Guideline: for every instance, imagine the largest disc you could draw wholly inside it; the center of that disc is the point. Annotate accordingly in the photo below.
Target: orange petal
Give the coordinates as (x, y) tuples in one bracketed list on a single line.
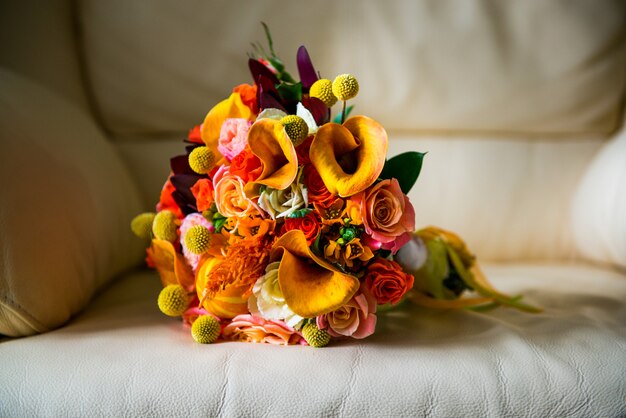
[(232, 107), (349, 157), (170, 265), (269, 141), (311, 286), (227, 303)]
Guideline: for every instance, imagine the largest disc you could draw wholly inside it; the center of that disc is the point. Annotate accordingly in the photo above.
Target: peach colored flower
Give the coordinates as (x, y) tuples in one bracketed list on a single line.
[(233, 137), (250, 328), (387, 282), (356, 319), (387, 213), (230, 198)]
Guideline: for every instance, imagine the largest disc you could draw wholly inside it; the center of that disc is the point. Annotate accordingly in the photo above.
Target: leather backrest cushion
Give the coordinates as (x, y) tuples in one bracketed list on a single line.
[(535, 67), (66, 201)]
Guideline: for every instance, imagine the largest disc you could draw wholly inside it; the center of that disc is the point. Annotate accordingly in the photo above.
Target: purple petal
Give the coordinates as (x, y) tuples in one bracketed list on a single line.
[(308, 76), (258, 69), (180, 164), (317, 108)]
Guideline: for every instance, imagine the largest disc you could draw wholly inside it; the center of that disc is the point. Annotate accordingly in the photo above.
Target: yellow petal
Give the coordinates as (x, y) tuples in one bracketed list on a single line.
[(228, 302), (269, 141), (232, 107), (349, 157), (311, 286), (170, 265)]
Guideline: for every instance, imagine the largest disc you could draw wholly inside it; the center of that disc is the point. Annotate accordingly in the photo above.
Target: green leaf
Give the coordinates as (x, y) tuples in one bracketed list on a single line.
[(290, 92), (436, 267), (405, 168), (337, 118)]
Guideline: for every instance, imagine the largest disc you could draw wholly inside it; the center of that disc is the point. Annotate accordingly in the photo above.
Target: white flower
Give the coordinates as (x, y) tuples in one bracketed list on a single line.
[(267, 298), (304, 113), (271, 113), (282, 203)]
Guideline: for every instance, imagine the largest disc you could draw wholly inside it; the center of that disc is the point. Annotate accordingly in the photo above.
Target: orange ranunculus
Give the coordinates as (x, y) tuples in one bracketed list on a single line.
[(202, 190), (269, 141), (387, 282), (311, 286), (233, 107), (170, 265), (246, 165), (349, 157), (248, 96)]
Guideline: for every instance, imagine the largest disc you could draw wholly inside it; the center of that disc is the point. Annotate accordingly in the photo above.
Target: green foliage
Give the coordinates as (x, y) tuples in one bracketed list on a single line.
[(405, 168)]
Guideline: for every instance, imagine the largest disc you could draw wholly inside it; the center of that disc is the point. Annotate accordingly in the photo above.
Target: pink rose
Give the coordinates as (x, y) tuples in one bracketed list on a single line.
[(258, 330), (356, 319), (387, 214), (233, 137)]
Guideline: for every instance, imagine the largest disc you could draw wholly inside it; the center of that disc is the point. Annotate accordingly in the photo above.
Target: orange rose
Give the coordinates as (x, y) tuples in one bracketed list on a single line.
[(308, 224), (387, 282), (387, 212), (230, 198)]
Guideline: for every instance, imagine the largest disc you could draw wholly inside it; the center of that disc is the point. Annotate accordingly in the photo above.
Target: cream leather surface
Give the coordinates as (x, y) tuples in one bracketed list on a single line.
[(122, 357), (541, 67), (66, 201)]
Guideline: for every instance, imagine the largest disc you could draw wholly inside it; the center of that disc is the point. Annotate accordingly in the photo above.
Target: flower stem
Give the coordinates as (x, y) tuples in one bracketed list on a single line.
[(343, 112)]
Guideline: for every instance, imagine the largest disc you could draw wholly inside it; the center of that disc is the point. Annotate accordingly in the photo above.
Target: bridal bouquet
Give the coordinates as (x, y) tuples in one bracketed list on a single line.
[(286, 225)]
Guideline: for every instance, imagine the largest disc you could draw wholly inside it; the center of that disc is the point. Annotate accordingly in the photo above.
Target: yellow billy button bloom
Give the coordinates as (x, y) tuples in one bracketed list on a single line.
[(198, 239), (164, 226), (349, 157), (173, 300), (296, 128), (345, 87), (314, 336), (323, 90), (141, 225), (205, 329), (201, 160)]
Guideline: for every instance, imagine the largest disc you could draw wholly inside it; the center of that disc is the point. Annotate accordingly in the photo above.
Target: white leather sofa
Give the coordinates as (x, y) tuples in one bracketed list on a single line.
[(519, 105)]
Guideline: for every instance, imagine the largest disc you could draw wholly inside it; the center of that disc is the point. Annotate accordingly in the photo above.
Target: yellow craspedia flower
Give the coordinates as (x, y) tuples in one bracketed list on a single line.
[(141, 225), (323, 90), (164, 226), (345, 87), (205, 329), (173, 300), (296, 128), (314, 336), (201, 160), (198, 239)]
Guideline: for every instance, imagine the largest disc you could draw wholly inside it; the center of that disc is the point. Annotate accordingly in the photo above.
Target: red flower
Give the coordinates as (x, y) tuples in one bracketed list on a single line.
[(203, 192), (302, 151), (318, 193), (309, 224), (387, 282), (248, 96), (195, 135), (167, 202), (246, 165)]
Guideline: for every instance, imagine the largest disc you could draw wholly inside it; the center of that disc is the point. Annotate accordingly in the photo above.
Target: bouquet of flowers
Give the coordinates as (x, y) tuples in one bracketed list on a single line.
[(279, 225)]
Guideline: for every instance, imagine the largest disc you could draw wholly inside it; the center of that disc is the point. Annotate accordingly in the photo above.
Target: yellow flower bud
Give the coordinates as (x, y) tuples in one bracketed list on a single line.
[(205, 329), (164, 226), (296, 128), (314, 336), (173, 300), (141, 225), (201, 160), (345, 87), (198, 239), (323, 90)]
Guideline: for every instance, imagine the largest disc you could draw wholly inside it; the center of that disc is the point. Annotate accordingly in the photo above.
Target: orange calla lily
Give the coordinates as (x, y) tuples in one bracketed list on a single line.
[(269, 141), (349, 157), (311, 286), (170, 265), (232, 107)]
